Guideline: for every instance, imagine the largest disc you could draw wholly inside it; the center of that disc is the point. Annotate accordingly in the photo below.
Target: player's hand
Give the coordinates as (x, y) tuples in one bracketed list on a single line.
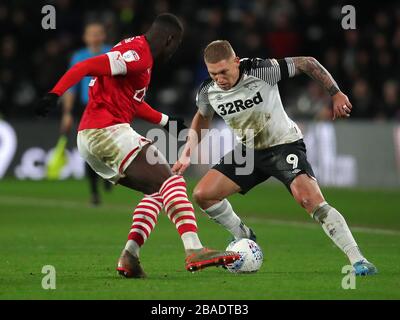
[(178, 123), (67, 121), (181, 165), (47, 102), (341, 106)]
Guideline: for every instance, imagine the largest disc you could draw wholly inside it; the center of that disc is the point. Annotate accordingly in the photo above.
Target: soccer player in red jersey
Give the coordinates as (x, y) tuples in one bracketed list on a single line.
[(117, 153)]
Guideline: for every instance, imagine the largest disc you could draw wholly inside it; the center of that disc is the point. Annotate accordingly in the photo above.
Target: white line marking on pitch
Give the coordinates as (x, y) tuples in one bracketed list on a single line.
[(45, 202), (310, 225)]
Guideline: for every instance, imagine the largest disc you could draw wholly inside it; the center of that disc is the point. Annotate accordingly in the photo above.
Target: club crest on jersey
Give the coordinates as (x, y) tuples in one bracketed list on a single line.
[(239, 105), (130, 56), (251, 86)]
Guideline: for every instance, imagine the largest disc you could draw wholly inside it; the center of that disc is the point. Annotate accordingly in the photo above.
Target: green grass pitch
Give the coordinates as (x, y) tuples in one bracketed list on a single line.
[(51, 223)]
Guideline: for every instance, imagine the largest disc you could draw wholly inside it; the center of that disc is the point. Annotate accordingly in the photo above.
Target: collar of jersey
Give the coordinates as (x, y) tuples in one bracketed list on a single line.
[(241, 75)]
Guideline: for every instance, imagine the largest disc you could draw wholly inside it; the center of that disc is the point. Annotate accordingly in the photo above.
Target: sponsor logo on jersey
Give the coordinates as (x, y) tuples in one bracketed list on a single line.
[(239, 105), (130, 56)]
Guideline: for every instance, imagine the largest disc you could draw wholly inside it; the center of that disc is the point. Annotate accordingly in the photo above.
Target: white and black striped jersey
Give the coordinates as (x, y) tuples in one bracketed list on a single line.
[(253, 107)]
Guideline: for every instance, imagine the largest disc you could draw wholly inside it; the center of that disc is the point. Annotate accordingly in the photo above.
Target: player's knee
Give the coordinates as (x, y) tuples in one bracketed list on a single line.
[(200, 195), (150, 188), (159, 181), (309, 202), (303, 200)]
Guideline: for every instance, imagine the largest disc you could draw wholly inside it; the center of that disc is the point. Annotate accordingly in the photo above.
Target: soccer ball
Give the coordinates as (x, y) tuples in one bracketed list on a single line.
[(251, 256)]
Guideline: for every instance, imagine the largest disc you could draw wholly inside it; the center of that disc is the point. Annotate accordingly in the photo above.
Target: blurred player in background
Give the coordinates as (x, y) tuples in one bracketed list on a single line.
[(245, 94), (94, 37), (117, 153)]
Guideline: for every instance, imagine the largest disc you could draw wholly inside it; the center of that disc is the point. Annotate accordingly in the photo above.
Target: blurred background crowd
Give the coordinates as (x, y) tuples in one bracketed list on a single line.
[(365, 61)]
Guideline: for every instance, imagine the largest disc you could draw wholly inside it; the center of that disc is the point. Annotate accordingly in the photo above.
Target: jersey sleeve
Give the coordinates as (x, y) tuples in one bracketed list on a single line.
[(126, 62), (96, 66), (202, 101), (117, 63), (147, 113), (271, 70)]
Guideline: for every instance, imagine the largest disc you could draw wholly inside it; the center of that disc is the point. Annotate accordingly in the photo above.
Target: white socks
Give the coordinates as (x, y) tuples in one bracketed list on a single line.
[(336, 228), (191, 241), (133, 248), (223, 214)]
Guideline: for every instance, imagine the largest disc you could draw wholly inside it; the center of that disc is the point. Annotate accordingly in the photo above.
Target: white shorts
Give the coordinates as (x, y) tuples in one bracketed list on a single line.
[(109, 151)]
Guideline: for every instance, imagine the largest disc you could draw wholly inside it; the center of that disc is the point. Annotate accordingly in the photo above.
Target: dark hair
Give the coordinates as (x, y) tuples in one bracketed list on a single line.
[(169, 23)]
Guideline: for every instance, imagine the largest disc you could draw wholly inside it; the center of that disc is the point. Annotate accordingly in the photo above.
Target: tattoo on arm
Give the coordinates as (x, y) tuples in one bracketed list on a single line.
[(315, 70)]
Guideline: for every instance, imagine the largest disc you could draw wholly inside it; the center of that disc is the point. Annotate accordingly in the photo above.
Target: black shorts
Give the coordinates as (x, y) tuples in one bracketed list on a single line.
[(284, 162)]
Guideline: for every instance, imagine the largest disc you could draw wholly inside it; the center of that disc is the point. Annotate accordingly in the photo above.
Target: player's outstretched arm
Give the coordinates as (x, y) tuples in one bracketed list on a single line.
[(96, 66), (310, 66), (194, 137)]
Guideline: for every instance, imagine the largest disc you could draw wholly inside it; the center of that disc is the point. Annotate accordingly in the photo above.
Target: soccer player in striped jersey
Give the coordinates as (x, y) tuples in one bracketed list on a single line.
[(245, 94), (119, 154)]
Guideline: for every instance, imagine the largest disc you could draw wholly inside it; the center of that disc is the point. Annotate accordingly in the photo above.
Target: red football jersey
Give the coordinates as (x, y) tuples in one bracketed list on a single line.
[(115, 99)]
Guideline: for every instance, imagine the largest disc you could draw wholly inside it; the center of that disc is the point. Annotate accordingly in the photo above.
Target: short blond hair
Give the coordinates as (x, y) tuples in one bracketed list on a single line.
[(218, 50)]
